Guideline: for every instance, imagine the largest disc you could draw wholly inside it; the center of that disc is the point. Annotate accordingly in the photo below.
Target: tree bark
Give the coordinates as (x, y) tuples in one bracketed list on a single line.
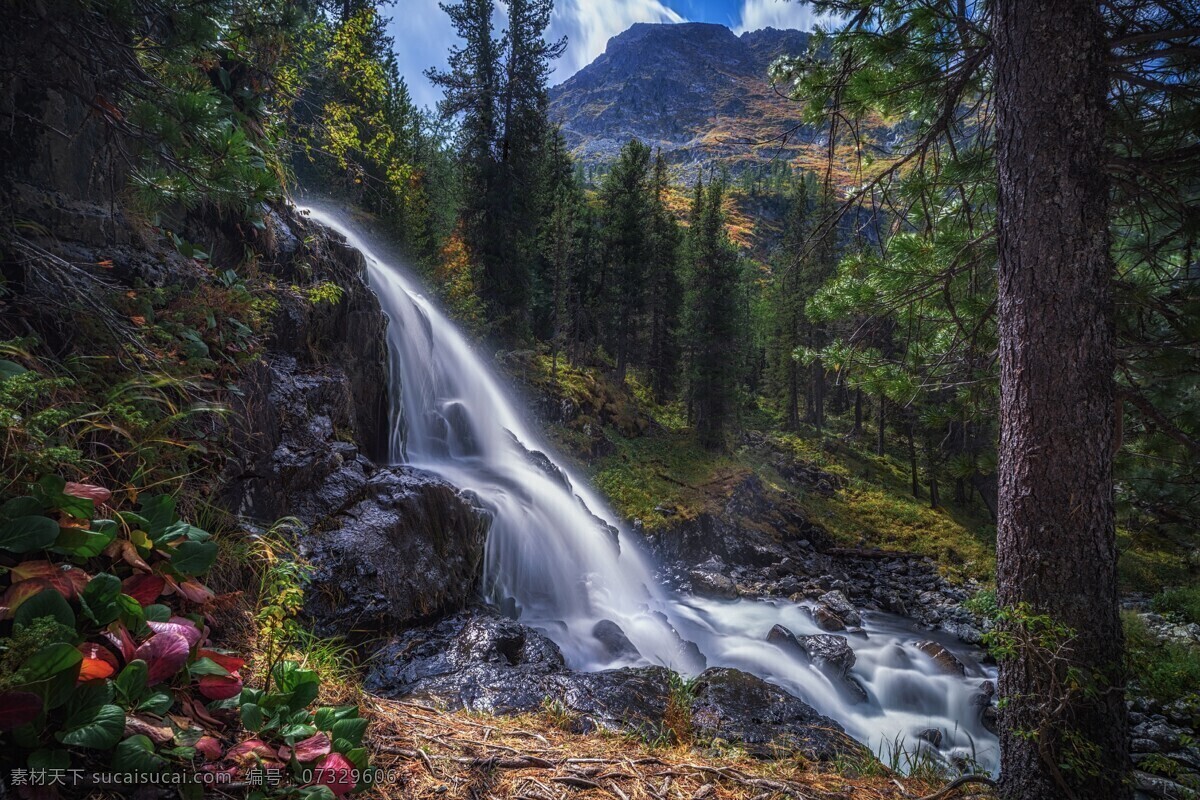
[(912, 462), (1056, 544), (880, 448), (858, 412)]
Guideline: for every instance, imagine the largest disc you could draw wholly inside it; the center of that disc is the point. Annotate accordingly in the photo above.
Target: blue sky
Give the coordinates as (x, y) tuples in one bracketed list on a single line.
[(423, 33)]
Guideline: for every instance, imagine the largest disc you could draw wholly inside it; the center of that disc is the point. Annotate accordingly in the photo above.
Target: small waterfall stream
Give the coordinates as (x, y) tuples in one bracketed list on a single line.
[(552, 560)]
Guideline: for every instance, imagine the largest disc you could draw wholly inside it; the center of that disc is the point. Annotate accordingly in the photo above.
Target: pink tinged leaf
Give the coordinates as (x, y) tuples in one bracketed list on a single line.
[(64, 578), (88, 491), (118, 634), (209, 747), (230, 663), (98, 662), (195, 591), (18, 708), (165, 654), (250, 751), (220, 687), (20, 592), (185, 628), (143, 588), (336, 772), (313, 747)]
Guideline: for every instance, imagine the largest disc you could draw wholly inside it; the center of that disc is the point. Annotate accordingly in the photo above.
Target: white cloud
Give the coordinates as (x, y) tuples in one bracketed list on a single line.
[(783, 14), (589, 24)]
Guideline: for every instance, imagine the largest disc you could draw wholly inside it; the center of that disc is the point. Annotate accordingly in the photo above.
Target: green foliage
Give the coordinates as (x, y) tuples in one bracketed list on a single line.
[(60, 681), (1182, 603), (201, 102), (713, 321), (1164, 671)]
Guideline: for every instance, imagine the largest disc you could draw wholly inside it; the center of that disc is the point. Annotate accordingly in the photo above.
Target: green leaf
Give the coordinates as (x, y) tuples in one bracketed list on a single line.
[(316, 793), (131, 682), (99, 728), (136, 754), (157, 612), (133, 616), (46, 603), (358, 757), (23, 534), (252, 717), (50, 490), (294, 733), (89, 696), (99, 598), (47, 759), (83, 543), (159, 513), (326, 716), (158, 703), (351, 730), (194, 558), (51, 672), (21, 507), (10, 369), (206, 666)]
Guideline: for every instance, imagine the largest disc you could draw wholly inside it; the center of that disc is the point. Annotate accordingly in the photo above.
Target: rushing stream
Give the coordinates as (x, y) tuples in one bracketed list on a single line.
[(552, 560)]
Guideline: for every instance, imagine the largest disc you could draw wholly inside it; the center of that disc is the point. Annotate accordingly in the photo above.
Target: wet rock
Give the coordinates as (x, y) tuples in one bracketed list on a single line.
[(477, 660), (836, 602), (400, 512), (1155, 786), (713, 584), (831, 654), (826, 619), (931, 735), (735, 706), (945, 661), (630, 698), (472, 660), (615, 642)]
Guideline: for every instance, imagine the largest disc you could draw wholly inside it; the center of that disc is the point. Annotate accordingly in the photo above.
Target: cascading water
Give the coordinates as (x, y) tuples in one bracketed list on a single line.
[(553, 560)]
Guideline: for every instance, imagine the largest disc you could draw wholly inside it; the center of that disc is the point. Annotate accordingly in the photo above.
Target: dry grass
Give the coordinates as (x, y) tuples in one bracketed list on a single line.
[(428, 753)]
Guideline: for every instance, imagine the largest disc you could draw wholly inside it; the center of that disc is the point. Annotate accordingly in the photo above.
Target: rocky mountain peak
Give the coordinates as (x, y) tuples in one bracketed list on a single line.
[(696, 90)]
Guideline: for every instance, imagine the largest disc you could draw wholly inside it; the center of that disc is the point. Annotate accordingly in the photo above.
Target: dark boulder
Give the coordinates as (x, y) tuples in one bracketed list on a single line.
[(609, 634), (736, 706), (409, 546), (480, 661), (472, 660)]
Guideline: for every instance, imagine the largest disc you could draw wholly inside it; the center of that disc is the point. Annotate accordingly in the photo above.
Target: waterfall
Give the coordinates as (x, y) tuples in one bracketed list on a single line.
[(558, 559)]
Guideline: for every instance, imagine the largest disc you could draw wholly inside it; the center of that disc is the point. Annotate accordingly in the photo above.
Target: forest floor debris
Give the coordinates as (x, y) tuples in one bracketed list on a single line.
[(430, 753)]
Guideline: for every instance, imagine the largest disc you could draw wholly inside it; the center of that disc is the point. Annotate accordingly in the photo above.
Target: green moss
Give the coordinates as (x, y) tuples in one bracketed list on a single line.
[(670, 470)]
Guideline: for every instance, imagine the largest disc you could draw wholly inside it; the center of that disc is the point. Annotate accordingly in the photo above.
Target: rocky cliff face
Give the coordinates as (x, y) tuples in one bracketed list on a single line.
[(309, 413), (697, 91)]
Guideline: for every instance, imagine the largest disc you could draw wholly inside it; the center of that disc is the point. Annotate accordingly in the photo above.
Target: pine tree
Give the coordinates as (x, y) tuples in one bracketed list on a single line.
[(663, 286), (626, 208), (713, 319)]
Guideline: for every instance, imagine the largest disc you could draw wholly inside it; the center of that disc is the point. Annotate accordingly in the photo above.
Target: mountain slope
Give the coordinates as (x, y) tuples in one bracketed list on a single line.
[(697, 91)]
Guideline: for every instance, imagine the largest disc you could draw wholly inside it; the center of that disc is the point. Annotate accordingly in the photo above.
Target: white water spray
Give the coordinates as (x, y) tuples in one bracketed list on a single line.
[(552, 560)]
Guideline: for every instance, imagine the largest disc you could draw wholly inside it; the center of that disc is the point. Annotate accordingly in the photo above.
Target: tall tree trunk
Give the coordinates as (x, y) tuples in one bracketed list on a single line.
[(858, 412), (912, 462), (818, 394), (793, 395), (1056, 545), (879, 442)]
